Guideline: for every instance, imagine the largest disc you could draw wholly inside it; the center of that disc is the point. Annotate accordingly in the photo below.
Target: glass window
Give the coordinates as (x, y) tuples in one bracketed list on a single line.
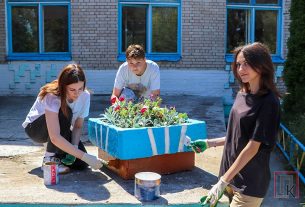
[(133, 26), (25, 29), (237, 30), (154, 24), (253, 22), (164, 29), (265, 28), (267, 1), (55, 28), (38, 30)]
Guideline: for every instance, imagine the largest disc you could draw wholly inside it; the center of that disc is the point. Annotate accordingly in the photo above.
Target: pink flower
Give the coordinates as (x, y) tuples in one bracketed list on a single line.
[(143, 109), (121, 99), (117, 108)]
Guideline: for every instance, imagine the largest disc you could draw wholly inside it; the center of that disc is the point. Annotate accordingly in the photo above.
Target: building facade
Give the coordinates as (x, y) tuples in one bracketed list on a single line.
[(192, 41)]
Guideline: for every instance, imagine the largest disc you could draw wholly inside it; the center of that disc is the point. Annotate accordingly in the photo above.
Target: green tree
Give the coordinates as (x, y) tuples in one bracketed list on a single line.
[(294, 72), (294, 76)]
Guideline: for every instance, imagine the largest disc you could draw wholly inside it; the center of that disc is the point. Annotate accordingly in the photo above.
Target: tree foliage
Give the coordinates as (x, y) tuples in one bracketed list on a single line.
[(294, 72)]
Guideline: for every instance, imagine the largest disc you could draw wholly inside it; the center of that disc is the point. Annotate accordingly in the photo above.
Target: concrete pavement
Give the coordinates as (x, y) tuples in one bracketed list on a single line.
[(21, 180)]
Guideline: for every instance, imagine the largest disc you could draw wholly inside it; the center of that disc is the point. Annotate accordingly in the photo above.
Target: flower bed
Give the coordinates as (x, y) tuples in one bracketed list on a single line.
[(152, 132), (143, 114)]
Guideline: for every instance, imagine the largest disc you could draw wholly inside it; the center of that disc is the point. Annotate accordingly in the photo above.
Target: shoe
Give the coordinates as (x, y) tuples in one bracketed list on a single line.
[(62, 169)]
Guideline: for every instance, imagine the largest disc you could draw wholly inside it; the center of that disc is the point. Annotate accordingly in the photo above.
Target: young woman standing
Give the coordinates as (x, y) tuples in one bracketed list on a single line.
[(251, 133)]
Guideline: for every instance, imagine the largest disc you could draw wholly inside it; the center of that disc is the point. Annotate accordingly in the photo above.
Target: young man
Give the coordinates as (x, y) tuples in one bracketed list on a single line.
[(137, 74)]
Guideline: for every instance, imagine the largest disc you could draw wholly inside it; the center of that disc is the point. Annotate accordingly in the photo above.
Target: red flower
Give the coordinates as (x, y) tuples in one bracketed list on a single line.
[(143, 109), (113, 100), (117, 108), (121, 99)]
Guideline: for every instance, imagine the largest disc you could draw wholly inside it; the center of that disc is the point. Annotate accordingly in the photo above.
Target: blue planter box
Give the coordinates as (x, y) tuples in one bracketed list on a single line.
[(133, 143)]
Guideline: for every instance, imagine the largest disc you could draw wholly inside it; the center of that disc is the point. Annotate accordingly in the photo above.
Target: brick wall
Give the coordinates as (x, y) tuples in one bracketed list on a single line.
[(203, 35), (94, 33), (2, 31), (95, 43)]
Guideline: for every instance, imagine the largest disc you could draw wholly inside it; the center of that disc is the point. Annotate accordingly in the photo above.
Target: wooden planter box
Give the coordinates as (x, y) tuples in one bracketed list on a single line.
[(157, 149), (162, 164)]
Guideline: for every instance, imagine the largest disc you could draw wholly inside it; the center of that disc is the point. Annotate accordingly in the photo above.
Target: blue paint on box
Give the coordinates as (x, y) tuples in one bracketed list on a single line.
[(133, 143)]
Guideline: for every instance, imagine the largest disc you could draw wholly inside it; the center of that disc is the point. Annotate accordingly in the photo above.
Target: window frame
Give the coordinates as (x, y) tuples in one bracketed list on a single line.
[(253, 7), (41, 54), (149, 4)]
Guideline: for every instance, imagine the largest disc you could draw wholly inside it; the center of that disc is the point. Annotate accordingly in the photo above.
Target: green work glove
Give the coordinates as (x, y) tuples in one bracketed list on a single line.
[(214, 194), (68, 160), (205, 203), (199, 145)]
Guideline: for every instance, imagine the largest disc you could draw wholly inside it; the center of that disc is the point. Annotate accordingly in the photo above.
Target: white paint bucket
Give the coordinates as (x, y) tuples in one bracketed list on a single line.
[(147, 186), (50, 173)]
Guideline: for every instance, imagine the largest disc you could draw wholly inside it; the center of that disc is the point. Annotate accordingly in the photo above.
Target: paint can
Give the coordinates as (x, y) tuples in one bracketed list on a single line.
[(147, 186), (50, 173)]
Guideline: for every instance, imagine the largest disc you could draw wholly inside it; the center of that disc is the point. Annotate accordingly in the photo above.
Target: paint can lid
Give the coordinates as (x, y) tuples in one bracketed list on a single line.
[(148, 176)]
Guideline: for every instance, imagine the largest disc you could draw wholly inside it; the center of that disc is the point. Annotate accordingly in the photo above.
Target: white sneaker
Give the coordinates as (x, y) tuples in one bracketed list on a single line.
[(62, 169)]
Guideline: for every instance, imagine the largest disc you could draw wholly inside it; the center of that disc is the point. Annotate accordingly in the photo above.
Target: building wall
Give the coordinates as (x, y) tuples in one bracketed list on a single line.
[(94, 45), (2, 31), (203, 35), (94, 33), (95, 28), (26, 78)]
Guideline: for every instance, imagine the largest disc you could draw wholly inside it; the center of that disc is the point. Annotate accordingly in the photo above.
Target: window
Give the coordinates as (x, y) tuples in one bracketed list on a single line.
[(154, 24), (254, 21), (38, 30)]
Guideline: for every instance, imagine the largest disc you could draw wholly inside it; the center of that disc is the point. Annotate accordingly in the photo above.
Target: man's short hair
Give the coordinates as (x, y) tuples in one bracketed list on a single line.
[(135, 51)]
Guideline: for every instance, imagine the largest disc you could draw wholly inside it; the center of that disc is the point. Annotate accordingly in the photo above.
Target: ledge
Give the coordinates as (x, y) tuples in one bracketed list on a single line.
[(155, 57), (39, 57)]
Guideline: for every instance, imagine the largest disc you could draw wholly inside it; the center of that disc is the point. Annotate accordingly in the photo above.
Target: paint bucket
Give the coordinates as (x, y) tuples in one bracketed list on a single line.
[(147, 186), (50, 173)]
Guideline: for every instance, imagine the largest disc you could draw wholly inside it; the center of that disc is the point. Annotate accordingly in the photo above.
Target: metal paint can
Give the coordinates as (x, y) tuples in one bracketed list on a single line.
[(147, 186), (50, 173)]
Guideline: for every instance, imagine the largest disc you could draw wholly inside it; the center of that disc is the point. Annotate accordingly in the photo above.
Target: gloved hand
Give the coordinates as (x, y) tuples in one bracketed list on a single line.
[(216, 192), (68, 160), (199, 145), (93, 161)]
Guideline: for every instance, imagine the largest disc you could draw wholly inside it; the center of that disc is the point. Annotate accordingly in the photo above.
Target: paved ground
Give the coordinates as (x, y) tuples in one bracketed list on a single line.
[(21, 179)]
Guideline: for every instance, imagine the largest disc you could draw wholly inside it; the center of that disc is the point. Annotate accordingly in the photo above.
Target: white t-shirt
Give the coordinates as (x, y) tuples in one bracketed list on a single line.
[(80, 107), (150, 78)]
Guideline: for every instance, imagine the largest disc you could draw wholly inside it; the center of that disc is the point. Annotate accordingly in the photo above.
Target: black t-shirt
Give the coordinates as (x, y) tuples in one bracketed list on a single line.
[(255, 118)]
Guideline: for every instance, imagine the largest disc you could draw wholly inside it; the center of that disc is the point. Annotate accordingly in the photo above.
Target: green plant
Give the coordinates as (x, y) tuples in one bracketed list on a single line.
[(143, 114), (294, 72)]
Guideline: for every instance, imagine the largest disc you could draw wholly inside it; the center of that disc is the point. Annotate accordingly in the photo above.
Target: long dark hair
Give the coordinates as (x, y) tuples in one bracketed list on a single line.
[(70, 74), (257, 55)]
